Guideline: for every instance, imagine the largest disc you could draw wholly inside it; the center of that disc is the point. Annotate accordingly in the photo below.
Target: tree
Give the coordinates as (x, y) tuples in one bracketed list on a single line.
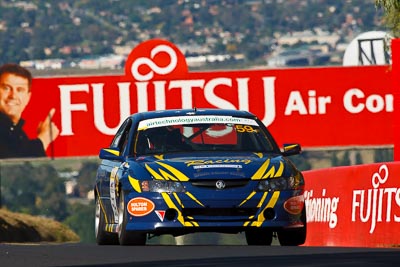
[(334, 159), (345, 161), (87, 176), (301, 161), (81, 221), (358, 159), (383, 155), (36, 190), (391, 10)]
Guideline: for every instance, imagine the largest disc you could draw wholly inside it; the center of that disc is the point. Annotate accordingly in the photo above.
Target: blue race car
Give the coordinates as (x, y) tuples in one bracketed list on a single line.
[(198, 170)]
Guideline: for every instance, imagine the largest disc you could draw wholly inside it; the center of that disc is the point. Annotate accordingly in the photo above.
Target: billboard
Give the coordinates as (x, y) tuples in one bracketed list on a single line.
[(316, 107)]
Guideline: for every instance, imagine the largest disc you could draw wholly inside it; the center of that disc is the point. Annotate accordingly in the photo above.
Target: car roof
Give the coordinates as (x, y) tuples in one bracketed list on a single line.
[(188, 112)]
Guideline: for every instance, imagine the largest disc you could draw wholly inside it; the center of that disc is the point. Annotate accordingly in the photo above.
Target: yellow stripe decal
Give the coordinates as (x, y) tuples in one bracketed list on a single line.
[(178, 199), (194, 199), (280, 170), (173, 174), (247, 198), (178, 174), (259, 173), (196, 224), (263, 172), (135, 184), (248, 222), (171, 205), (270, 172), (167, 176), (155, 174), (112, 151), (290, 147), (159, 157), (181, 204), (102, 207), (262, 200), (271, 204)]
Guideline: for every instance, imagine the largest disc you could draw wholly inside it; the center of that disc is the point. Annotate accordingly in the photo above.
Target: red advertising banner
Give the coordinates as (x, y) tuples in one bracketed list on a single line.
[(396, 93), (316, 107), (356, 206)]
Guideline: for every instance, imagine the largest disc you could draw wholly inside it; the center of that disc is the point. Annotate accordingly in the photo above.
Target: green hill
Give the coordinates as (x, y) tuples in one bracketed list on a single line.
[(24, 228)]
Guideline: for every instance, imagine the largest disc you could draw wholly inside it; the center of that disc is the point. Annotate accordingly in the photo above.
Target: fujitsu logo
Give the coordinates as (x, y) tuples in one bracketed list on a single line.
[(378, 204), (153, 65)]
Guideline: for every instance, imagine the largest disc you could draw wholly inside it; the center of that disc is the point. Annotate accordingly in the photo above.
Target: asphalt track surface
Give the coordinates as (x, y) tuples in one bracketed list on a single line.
[(160, 255)]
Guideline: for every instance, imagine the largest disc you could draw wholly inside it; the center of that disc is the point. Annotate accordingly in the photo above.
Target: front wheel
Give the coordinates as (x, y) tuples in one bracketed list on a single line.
[(102, 237), (127, 238), (295, 236), (258, 237)]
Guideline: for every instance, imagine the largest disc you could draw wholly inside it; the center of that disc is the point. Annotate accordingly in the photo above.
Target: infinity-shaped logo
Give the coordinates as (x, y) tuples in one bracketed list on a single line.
[(154, 68), (381, 176)]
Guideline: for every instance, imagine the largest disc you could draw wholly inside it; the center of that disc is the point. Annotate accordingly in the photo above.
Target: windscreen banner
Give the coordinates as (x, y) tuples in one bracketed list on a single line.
[(356, 206), (316, 107)]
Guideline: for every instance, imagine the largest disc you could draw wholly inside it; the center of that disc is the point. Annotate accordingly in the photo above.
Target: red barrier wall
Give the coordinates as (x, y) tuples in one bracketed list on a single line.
[(354, 206)]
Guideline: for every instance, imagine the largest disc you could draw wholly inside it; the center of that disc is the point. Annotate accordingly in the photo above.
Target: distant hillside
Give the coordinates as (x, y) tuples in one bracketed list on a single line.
[(24, 228), (41, 29)]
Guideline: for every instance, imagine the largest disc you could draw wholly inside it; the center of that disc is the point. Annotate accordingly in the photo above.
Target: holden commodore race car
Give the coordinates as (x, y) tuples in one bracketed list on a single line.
[(198, 170)]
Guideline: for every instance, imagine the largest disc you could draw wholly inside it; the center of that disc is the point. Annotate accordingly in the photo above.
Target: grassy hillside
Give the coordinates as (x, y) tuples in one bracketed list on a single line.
[(22, 228)]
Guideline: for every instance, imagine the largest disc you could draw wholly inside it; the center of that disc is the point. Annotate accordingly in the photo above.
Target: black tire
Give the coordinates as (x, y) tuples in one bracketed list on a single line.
[(258, 237), (295, 236), (127, 238), (102, 236)]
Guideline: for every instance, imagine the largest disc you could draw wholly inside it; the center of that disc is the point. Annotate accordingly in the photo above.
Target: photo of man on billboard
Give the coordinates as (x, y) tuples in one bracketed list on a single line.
[(15, 94)]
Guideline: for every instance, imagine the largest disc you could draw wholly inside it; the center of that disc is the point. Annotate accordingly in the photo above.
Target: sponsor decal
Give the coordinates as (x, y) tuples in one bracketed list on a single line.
[(222, 162), (374, 205), (152, 67), (294, 205), (140, 206), (160, 214), (218, 166), (158, 122), (321, 209)]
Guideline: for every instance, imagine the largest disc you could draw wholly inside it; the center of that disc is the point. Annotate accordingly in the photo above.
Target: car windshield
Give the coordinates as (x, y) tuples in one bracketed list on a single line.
[(223, 135)]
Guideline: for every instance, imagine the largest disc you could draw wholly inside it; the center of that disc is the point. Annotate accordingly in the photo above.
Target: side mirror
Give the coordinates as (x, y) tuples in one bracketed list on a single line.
[(291, 149), (110, 154)]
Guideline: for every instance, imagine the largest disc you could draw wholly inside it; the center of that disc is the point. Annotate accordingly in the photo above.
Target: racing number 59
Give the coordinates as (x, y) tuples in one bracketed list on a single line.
[(244, 128)]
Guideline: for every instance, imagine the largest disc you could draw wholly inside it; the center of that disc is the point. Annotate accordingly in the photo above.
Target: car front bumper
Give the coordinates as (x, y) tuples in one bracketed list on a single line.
[(185, 213)]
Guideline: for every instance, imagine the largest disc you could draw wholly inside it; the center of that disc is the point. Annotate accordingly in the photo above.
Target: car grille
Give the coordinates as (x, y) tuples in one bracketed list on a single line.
[(217, 213), (228, 183)]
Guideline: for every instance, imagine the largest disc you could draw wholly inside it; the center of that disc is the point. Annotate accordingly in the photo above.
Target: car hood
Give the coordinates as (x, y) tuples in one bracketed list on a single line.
[(214, 165)]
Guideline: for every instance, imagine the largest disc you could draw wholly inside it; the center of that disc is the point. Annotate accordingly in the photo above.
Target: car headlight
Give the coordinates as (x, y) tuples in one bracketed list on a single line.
[(162, 186), (282, 183)]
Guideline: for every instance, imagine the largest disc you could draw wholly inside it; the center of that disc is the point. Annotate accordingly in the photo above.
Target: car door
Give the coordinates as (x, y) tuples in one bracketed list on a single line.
[(110, 169)]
